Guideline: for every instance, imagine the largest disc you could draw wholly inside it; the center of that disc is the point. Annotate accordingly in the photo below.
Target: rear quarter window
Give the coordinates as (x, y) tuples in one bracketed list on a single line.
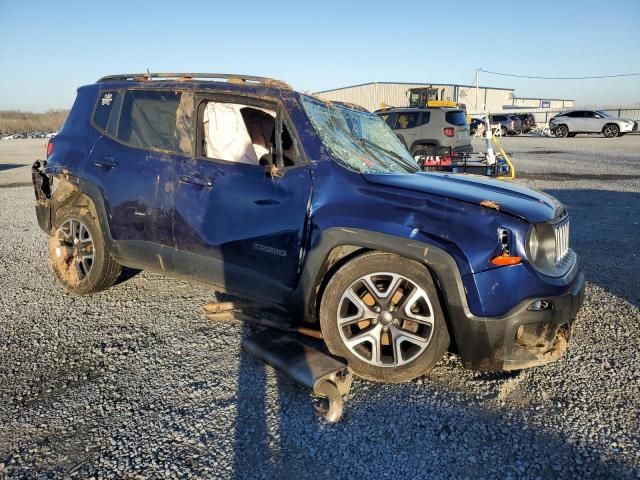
[(108, 102), (425, 117), (456, 118)]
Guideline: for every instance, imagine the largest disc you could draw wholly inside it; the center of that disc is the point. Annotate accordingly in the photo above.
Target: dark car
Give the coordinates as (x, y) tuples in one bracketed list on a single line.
[(506, 124), (250, 187)]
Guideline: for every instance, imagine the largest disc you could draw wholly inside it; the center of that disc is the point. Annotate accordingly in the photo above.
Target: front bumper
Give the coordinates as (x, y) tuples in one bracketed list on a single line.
[(521, 338)]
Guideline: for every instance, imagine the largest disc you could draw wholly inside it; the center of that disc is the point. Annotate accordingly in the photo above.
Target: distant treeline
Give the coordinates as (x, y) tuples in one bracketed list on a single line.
[(15, 121)]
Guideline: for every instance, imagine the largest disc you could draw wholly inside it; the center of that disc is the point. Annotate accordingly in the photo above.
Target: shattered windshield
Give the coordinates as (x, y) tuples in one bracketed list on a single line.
[(358, 140)]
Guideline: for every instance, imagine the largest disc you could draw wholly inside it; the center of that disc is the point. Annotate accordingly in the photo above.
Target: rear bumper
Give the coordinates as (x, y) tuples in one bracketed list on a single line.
[(521, 338), (626, 128), (463, 149), (42, 190)]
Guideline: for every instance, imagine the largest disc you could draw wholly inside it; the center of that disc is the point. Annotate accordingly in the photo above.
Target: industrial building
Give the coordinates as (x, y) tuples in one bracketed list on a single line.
[(374, 95)]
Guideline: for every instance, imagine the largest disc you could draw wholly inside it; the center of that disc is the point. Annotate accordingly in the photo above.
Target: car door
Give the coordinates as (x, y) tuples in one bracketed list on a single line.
[(576, 121), (597, 121), (236, 225), (132, 164)]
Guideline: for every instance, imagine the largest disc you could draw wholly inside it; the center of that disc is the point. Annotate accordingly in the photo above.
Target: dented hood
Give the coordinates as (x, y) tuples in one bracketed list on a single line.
[(530, 205)]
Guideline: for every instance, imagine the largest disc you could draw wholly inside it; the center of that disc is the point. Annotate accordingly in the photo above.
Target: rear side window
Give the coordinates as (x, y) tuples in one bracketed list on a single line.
[(499, 118), (426, 116), (456, 118), (149, 118), (107, 103), (407, 120)]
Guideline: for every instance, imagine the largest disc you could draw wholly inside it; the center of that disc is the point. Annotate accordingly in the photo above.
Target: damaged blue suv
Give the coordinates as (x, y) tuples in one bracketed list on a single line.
[(243, 184)]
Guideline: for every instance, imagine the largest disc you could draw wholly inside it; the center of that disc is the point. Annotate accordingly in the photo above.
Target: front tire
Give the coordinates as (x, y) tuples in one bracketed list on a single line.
[(382, 314), (611, 130), (77, 253)]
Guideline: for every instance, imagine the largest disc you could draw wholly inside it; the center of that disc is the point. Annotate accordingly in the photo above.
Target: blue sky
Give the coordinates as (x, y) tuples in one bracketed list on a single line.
[(47, 47)]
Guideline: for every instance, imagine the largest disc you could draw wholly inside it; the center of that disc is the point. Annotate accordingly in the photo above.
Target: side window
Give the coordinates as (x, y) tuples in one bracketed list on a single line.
[(407, 120), (499, 118), (576, 114), (591, 115), (243, 134), (108, 102), (156, 120), (389, 119), (425, 117)]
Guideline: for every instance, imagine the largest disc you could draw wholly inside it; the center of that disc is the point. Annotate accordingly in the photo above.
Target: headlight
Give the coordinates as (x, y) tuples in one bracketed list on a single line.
[(547, 247), (541, 246)]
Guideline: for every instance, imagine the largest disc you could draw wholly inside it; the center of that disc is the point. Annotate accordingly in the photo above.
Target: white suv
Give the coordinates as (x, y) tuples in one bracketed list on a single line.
[(421, 128), (569, 124)]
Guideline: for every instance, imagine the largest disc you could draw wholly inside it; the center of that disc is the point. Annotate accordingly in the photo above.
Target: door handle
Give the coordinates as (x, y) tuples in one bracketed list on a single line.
[(107, 163), (197, 181)]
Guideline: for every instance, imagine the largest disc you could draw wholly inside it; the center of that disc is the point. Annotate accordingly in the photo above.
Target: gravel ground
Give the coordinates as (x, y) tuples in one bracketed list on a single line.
[(135, 383)]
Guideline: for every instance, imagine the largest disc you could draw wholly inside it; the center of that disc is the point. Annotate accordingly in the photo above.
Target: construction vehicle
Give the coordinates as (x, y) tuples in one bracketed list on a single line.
[(431, 97)]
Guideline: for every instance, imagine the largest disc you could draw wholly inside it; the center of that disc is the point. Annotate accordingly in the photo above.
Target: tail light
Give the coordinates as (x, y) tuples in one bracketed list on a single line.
[(448, 131), (49, 148)]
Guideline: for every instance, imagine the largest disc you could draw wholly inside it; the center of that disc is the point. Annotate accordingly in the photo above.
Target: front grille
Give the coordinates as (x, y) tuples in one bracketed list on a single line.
[(561, 231)]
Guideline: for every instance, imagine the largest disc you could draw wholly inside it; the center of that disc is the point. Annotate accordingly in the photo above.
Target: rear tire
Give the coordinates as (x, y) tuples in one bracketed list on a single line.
[(381, 313), (420, 150), (561, 131), (610, 130), (77, 253)]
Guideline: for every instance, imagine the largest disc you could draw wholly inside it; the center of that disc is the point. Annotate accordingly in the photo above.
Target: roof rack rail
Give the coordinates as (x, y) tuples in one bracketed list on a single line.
[(231, 78)]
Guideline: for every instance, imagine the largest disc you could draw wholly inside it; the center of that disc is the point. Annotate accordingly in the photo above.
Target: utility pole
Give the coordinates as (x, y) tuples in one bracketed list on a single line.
[(477, 78)]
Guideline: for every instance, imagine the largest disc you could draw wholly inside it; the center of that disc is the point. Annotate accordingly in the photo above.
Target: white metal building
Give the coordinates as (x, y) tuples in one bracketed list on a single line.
[(373, 95)]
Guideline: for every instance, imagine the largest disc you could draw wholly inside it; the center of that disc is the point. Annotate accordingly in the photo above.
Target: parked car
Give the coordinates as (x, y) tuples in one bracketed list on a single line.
[(277, 196), (569, 124), (506, 124), (527, 120), (420, 127)]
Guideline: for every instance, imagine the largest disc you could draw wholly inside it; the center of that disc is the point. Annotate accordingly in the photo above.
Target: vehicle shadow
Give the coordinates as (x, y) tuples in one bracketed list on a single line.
[(384, 433), (9, 166), (605, 232)]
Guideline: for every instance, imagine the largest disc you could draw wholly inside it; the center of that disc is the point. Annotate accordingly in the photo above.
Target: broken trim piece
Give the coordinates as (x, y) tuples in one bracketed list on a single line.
[(327, 377)]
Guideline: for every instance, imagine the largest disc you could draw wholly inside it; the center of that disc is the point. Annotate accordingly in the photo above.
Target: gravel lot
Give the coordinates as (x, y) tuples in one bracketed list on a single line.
[(135, 383)]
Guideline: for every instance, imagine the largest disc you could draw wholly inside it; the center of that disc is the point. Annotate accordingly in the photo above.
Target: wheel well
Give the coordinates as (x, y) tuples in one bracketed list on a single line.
[(422, 143), (68, 195), (610, 123), (342, 254), (336, 258)]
